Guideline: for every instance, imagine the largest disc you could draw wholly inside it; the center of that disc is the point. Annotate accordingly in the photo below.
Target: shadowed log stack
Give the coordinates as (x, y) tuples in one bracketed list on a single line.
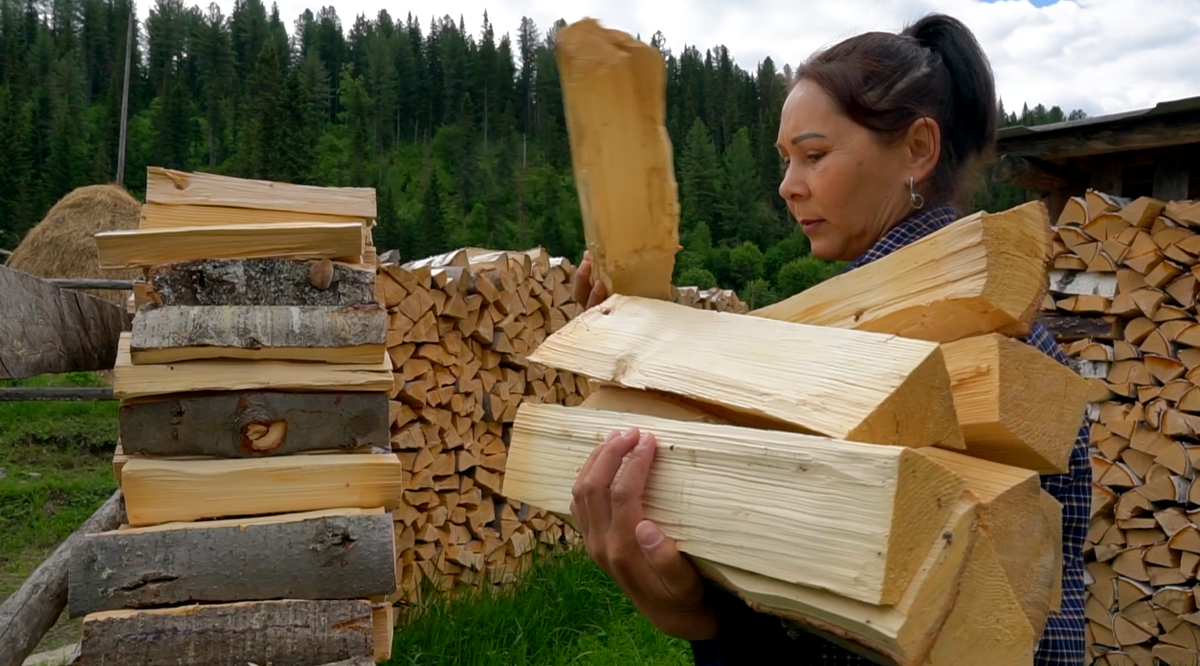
[(1123, 302), (861, 459), (253, 452)]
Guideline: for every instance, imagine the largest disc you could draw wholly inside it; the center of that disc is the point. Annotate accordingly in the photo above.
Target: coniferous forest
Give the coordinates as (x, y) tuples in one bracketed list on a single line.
[(458, 125)]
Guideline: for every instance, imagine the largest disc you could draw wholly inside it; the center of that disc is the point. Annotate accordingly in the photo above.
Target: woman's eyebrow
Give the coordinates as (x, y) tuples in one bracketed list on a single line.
[(807, 135)]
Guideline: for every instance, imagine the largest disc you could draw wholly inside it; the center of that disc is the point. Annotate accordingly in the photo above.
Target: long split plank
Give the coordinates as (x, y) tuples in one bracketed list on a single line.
[(251, 424), (281, 633), (854, 385), (614, 89), (985, 273), (166, 216), (262, 282), (337, 554), (856, 519), (164, 491), (319, 333), (139, 248), (172, 187), (134, 381)]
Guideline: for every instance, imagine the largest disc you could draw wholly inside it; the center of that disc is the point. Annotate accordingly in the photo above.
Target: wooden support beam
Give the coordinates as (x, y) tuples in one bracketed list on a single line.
[(34, 608), (1086, 140), (1038, 175), (614, 91), (46, 329), (168, 186)]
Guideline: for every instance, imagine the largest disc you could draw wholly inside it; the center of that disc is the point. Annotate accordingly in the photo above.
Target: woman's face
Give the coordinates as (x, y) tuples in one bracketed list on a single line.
[(844, 186)]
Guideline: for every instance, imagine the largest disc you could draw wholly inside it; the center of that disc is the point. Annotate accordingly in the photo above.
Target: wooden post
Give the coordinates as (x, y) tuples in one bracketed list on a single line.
[(35, 607)]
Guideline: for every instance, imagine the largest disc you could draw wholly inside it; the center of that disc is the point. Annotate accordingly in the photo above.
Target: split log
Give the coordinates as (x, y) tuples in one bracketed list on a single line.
[(337, 554), (983, 274), (33, 609), (164, 491), (141, 248), (614, 91), (328, 334), (901, 499), (901, 395), (262, 282), (253, 423), (171, 187), (280, 633), (163, 216)]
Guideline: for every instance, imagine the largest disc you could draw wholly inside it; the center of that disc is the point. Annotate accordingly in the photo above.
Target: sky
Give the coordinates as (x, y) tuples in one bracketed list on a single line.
[(1102, 56)]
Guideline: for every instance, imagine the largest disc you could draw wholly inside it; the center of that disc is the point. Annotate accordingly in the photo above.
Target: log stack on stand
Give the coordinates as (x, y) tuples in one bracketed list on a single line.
[(1122, 300)]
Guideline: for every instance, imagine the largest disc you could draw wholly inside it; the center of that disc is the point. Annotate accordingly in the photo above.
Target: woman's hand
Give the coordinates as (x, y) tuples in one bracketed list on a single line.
[(663, 585), (587, 290)]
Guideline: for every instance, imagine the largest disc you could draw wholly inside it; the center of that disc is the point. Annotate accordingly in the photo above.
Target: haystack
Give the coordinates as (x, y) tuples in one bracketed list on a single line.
[(63, 245)]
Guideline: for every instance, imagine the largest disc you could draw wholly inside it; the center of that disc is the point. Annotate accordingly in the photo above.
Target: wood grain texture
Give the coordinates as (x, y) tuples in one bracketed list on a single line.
[(140, 248), (279, 633), (259, 282), (333, 334), (35, 607), (985, 273), (161, 216), (45, 329), (891, 501), (327, 555), (857, 385), (168, 186), (163, 491), (253, 424), (614, 89)]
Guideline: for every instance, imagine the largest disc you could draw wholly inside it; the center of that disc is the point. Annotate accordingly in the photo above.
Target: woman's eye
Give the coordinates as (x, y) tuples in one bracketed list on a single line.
[(813, 156)]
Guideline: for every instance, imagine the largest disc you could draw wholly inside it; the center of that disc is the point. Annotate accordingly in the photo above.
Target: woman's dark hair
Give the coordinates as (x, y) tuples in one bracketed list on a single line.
[(934, 68)]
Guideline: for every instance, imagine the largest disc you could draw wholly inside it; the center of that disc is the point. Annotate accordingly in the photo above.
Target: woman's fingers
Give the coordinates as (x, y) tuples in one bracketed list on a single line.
[(597, 295), (581, 283)]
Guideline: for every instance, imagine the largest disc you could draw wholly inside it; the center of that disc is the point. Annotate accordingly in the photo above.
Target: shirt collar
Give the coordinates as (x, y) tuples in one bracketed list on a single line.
[(911, 229)]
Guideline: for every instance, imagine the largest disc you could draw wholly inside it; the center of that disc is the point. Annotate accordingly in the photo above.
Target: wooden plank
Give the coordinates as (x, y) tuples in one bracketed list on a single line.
[(985, 273), (168, 186), (858, 385), (134, 381), (1016, 405), (262, 282), (281, 633), (167, 216), (330, 334), (339, 554), (253, 424), (45, 329), (614, 91), (35, 607), (1092, 140), (898, 499), (139, 248), (164, 491)]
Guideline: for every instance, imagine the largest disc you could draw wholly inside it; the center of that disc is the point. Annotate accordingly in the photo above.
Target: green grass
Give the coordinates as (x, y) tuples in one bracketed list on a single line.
[(56, 462)]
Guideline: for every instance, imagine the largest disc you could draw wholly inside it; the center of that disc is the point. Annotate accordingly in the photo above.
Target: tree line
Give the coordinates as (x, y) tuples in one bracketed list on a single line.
[(460, 130)]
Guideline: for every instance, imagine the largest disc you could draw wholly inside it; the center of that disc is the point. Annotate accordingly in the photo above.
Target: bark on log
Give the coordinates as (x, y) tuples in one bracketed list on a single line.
[(34, 608), (338, 555), (254, 424), (260, 282), (279, 633), (1072, 327), (45, 329), (168, 333)]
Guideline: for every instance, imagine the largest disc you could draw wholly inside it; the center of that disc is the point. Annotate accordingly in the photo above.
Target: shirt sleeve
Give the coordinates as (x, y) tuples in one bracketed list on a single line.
[(746, 636)]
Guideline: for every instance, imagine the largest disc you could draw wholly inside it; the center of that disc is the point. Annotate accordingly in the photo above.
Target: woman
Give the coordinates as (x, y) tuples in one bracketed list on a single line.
[(878, 134)]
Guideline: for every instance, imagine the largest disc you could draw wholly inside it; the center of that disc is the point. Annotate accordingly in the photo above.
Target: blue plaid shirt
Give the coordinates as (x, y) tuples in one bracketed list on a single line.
[(761, 639)]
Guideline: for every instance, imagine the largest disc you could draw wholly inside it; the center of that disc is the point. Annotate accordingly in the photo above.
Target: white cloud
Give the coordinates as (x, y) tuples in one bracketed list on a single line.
[(1103, 56)]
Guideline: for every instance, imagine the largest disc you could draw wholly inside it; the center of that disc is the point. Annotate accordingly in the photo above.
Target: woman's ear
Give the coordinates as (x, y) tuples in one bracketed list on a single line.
[(923, 146)]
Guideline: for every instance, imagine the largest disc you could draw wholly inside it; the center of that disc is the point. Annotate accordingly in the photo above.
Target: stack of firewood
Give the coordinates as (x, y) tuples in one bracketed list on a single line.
[(254, 457), (1123, 301)]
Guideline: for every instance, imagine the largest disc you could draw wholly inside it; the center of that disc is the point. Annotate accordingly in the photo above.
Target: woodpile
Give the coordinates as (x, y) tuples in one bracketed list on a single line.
[(1122, 299), (253, 456)]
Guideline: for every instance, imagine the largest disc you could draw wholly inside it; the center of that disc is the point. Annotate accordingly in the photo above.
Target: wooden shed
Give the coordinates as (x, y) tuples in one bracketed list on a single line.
[(1149, 152)]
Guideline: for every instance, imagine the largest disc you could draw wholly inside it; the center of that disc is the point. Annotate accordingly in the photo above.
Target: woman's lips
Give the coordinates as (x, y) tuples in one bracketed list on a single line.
[(807, 224)]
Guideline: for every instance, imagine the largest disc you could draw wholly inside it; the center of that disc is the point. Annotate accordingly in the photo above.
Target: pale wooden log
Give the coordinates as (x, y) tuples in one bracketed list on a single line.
[(614, 91), (163, 491), (162, 216), (172, 187), (1015, 404), (872, 563), (262, 282), (139, 248), (983, 274), (134, 381), (901, 395), (35, 607), (281, 633), (337, 554), (253, 423)]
